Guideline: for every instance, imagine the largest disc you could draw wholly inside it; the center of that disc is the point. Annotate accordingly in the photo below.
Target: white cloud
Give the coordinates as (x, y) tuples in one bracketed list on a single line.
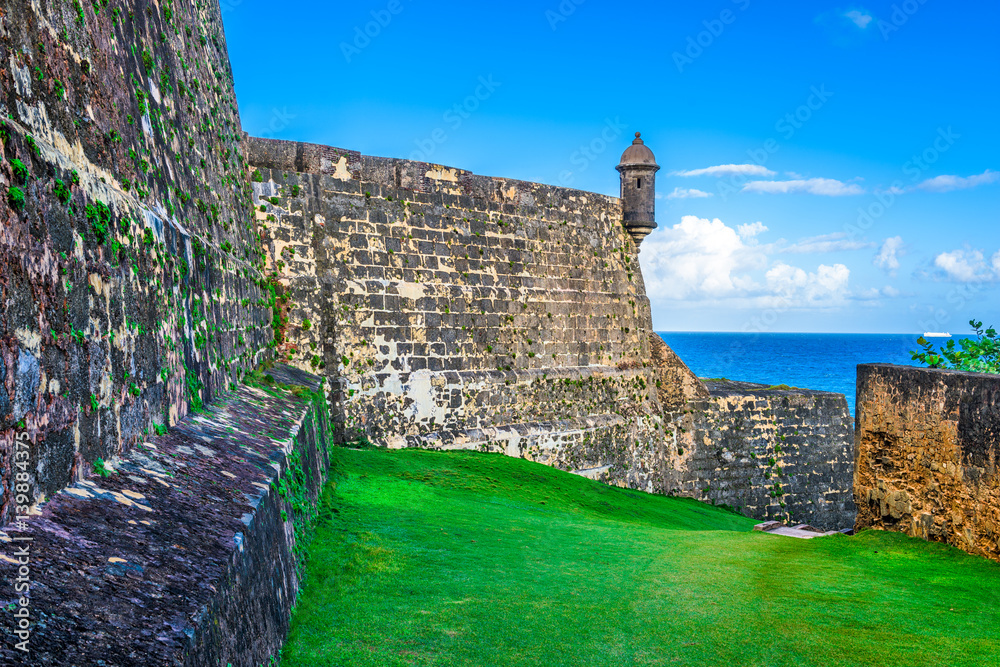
[(829, 283), (862, 19), (949, 183), (684, 193), (887, 257), (698, 257), (967, 266), (892, 190), (749, 232), (827, 187), (785, 278), (728, 170), (996, 263), (825, 243), (873, 296), (706, 261)]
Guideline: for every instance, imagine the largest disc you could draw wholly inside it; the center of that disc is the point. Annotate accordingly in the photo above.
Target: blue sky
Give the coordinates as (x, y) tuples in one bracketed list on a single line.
[(825, 167)]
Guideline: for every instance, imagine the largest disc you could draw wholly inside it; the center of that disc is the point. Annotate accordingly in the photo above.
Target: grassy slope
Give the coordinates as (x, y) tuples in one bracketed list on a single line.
[(473, 559)]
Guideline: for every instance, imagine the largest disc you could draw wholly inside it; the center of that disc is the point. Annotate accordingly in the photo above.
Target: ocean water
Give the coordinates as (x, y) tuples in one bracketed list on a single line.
[(825, 362)]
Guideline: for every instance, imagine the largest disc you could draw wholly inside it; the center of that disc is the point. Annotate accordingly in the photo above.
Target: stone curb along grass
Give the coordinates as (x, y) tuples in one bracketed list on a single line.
[(189, 551)]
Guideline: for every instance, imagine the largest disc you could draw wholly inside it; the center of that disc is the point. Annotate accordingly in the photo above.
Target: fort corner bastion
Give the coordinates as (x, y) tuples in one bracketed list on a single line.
[(450, 310)]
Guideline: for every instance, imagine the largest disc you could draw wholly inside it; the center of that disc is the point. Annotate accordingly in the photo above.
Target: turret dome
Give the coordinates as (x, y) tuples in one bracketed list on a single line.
[(638, 153)]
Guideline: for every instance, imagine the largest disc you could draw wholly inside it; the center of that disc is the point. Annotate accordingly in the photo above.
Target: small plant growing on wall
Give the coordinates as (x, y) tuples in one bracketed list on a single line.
[(15, 197), (20, 171), (99, 216), (100, 468), (61, 192)]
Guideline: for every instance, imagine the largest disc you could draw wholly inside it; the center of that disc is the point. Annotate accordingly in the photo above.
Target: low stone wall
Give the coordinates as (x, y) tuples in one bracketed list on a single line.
[(926, 452), (186, 554), (771, 454), (778, 454)]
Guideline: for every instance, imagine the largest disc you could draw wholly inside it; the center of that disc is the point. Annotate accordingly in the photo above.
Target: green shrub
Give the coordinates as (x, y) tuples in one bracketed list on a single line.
[(99, 216), (977, 355), (15, 197), (20, 171), (61, 192), (101, 468)]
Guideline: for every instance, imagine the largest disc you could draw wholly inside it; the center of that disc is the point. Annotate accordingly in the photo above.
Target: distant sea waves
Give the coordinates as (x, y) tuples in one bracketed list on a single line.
[(823, 362)]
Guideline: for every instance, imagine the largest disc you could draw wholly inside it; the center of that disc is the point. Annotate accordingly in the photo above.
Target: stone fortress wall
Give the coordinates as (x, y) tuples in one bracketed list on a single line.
[(926, 455), (448, 309), (129, 260), (146, 266), (441, 300), (451, 310), (133, 297)]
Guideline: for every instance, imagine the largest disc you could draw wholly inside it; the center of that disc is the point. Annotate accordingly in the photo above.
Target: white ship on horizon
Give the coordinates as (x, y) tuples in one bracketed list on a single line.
[(936, 334)]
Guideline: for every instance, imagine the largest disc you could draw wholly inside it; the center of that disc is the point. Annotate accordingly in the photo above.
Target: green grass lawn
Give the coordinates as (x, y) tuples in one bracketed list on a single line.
[(426, 558)]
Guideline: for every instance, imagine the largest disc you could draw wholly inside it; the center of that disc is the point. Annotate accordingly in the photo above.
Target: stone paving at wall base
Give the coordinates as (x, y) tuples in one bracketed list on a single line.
[(802, 531), (185, 553)]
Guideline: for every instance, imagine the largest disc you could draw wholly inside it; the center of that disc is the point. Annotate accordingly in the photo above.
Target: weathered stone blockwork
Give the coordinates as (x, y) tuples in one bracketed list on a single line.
[(186, 555), (784, 454), (129, 262), (460, 311), (926, 450), (443, 302)]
